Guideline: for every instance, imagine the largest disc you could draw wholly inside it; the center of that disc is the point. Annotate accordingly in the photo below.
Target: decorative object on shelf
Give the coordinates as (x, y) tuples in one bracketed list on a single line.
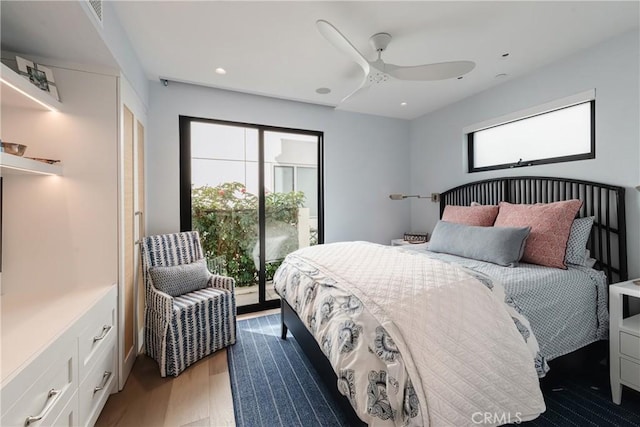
[(39, 75), (47, 161), (416, 237), (22, 93), (435, 197), (12, 148)]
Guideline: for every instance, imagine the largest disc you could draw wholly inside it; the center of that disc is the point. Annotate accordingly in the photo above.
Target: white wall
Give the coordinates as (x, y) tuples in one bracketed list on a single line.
[(116, 40), (365, 158), (438, 149), (61, 232)]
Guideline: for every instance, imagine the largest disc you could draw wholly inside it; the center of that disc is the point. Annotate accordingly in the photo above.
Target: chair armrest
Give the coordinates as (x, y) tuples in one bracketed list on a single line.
[(222, 282), (159, 302)]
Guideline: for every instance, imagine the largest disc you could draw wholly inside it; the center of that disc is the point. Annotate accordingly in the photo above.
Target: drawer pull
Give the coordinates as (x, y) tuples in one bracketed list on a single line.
[(52, 397), (105, 380), (105, 331)]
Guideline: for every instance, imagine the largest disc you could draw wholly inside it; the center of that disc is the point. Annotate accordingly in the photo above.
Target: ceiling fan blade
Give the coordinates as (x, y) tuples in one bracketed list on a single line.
[(338, 40), (358, 91), (366, 84), (438, 71)]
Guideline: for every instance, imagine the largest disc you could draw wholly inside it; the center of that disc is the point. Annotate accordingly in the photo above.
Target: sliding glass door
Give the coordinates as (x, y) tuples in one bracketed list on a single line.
[(255, 194)]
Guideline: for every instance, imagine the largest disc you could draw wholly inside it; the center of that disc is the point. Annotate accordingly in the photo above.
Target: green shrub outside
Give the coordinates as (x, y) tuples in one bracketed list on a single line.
[(226, 217)]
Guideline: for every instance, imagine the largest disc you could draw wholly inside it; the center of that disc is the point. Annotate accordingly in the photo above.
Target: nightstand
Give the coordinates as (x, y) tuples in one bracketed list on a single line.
[(402, 242), (624, 341)]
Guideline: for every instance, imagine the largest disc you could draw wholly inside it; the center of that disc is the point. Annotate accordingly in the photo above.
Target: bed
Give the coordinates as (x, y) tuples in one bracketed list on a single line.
[(560, 322)]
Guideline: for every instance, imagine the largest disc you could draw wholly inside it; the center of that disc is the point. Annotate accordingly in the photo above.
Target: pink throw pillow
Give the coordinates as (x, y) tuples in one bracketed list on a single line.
[(550, 227), (482, 216)]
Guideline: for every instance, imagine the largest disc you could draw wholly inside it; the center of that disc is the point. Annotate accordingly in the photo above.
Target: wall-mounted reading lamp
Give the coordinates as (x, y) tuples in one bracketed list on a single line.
[(435, 197)]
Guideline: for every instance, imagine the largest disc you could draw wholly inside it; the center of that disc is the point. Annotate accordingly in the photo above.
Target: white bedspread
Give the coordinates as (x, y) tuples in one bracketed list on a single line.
[(454, 335)]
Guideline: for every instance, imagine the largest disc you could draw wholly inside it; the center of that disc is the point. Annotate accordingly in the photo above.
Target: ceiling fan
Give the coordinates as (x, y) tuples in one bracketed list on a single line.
[(376, 72)]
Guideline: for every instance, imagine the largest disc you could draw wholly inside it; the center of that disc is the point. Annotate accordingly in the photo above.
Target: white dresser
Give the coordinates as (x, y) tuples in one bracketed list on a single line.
[(58, 357), (624, 341)]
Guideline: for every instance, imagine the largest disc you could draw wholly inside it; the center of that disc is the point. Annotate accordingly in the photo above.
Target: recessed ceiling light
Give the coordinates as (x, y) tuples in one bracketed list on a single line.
[(221, 71), (501, 75), (323, 90), (404, 104)]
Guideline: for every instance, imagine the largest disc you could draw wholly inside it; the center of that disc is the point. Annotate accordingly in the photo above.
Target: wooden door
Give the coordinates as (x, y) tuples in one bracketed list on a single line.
[(127, 300), (140, 227)]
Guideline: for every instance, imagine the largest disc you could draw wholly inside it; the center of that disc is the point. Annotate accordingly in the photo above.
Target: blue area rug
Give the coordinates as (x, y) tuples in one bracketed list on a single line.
[(586, 401), (272, 381), (273, 384)]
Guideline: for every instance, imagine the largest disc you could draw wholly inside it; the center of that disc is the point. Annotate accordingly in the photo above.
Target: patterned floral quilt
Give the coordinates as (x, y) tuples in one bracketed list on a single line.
[(414, 341)]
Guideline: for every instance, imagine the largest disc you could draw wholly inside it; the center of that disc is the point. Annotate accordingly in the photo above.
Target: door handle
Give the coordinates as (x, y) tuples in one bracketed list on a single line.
[(138, 214)]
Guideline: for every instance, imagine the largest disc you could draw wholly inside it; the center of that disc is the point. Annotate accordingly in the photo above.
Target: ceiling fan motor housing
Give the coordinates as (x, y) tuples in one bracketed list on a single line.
[(380, 41)]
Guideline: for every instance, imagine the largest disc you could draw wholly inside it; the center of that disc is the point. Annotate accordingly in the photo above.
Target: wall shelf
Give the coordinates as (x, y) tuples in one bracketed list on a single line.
[(20, 92), (15, 165)]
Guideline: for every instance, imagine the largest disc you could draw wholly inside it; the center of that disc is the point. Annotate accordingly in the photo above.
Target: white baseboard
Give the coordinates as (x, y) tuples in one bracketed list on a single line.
[(140, 341), (126, 368)]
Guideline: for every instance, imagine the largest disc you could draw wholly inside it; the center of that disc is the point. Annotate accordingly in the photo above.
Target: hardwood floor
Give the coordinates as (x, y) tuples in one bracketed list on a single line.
[(200, 396)]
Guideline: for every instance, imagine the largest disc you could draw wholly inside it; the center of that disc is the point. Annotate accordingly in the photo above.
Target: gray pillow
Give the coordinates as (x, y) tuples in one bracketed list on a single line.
[(498, 245), (180, 279), (577, 243)]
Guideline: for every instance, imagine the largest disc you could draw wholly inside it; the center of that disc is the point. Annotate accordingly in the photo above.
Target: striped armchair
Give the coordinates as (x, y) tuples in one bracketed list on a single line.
[(181, 328)]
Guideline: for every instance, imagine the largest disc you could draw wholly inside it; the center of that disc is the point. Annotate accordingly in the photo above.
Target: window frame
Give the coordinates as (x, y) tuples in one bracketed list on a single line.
[(534, 162), (184, 126)]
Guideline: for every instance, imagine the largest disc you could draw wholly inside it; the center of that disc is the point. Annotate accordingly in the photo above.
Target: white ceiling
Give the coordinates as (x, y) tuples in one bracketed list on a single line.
[(274, 48), (52, 29)]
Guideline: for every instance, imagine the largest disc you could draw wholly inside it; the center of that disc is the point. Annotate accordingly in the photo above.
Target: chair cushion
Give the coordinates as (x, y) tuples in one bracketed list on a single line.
[(180, 279), (199, 296)]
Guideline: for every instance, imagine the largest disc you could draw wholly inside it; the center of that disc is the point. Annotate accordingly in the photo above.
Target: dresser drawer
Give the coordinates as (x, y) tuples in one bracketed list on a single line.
[(45, 398), (96, 387), (630, 372), (99, 333), (68, 417), (630, 345)]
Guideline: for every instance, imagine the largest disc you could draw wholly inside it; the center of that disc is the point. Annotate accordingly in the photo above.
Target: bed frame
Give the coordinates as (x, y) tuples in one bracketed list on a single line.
[(607, 243)]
